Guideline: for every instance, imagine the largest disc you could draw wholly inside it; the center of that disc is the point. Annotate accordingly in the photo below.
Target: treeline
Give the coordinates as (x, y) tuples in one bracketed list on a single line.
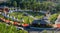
[(32, 5)]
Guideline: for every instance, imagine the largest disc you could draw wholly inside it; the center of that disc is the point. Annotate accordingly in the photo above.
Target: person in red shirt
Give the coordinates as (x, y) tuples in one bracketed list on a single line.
[(3, 20), (7, 21), (15, 23)]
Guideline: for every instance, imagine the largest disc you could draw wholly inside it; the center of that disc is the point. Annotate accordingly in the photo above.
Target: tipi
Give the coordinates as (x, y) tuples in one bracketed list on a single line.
[(57, 22)]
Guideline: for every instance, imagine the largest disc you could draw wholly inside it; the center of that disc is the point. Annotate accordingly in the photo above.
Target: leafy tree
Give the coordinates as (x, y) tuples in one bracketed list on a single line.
[(47, 5), (15, 3), (34, 4), (58, 7), (53, 18)]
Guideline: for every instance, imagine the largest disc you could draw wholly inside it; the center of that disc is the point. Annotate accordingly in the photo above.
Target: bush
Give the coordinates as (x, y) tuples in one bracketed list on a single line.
[(53, 17), (10, 29), (44, 31)]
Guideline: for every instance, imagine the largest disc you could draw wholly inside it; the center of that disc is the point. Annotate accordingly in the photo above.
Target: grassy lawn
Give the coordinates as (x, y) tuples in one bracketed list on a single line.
[(36, 14), (20, 15)]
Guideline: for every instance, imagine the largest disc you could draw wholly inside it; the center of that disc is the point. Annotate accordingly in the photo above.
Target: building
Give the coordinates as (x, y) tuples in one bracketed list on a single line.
[(4, 9)]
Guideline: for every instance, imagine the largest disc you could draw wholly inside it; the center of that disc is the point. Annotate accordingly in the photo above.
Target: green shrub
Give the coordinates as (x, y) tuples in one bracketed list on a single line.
[(10, 29), (44, 31), (53, 17)]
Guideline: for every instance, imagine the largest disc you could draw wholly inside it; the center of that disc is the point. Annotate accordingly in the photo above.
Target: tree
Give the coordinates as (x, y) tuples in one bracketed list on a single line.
[(38, 6), (33, 5), (15, 4), (9, 3), (53, 18), (24, 4), (58, 7), (47, 5)]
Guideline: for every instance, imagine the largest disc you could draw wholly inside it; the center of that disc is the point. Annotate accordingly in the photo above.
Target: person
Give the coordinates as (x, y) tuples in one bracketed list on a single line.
[(16, 19), (13, 18), (8, 15), (15, 23), (11, 22), (7, 21)]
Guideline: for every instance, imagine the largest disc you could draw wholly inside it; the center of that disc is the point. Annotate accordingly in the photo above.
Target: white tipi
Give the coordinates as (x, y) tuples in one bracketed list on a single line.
[(57, 22)]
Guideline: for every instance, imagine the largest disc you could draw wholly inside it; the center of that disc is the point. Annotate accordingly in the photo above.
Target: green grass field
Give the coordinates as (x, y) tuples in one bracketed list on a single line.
[(20, 15)]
